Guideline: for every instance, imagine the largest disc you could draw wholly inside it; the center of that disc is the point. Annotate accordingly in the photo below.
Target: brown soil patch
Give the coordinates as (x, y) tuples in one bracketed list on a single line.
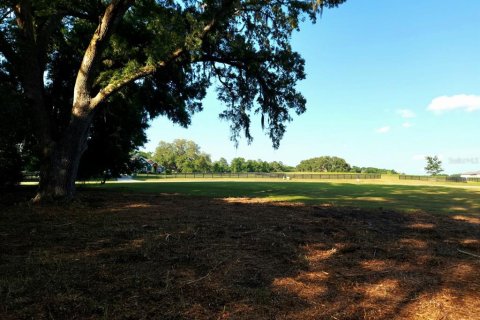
[(124, 256)]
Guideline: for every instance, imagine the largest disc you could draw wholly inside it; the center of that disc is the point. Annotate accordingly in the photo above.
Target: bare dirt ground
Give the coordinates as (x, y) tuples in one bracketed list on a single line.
[(133, 256)]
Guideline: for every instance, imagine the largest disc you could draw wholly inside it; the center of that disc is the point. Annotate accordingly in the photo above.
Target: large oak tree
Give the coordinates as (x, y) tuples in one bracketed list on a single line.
[(70, 58)]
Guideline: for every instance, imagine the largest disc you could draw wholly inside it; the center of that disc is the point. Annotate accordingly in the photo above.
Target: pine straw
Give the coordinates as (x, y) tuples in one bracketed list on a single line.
[(172, 257)]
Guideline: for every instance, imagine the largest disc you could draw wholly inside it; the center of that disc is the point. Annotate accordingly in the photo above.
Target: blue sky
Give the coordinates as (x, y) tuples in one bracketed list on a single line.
[(388, 82)]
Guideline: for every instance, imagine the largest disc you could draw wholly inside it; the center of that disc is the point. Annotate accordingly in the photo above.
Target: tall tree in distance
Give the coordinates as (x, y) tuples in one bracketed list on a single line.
[(434, 165), (324, 164), (171, 51), (238, 164), (221, 165), (182, 156)]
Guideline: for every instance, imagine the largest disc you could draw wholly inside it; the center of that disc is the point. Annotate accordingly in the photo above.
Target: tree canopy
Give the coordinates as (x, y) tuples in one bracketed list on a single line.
[(70, 59), (372, 170), (182, 156), (434, 165), (186, 156), (324, 164)]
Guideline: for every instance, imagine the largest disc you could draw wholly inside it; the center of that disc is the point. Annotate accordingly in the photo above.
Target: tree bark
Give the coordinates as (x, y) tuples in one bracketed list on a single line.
[(62, 158), (60, 166)]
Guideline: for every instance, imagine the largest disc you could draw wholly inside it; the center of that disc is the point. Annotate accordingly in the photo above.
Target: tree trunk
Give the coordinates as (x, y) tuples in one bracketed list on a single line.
[(60, 166)]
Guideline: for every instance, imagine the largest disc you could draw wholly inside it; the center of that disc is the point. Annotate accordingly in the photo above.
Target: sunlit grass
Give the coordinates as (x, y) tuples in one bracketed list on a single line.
[(367, 194)]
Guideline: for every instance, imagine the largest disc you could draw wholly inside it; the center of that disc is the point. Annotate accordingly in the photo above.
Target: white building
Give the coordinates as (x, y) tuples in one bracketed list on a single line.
[(472, 174)]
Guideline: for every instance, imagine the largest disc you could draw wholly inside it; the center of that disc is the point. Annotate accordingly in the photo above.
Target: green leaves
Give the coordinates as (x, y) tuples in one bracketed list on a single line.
[(182, 156), (242, 47), (434, 165), (324, 164), (160, 57)]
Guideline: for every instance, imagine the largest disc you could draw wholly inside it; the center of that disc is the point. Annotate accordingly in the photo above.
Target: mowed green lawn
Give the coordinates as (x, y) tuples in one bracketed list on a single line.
[(464, 199)]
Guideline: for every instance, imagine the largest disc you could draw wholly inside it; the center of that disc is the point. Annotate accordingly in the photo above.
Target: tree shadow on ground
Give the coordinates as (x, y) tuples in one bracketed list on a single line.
[(173, 257)]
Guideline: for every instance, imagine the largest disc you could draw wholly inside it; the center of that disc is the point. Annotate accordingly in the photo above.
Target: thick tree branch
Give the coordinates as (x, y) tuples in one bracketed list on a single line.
[(114, 11), (29, 72), (140, 73), (147, 70), (24, 20)]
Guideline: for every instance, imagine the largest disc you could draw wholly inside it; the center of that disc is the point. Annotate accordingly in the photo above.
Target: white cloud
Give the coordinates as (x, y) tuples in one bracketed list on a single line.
[(406, 113), (460, 101), (407, 125), (383, 129)]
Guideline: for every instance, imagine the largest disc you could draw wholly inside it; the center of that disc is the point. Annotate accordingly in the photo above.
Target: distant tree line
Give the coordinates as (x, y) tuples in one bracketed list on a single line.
[(185, 156), (336, 164), (356, 169)]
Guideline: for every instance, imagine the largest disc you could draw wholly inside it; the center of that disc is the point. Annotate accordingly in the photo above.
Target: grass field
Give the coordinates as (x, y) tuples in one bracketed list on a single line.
[(427, 196), (243, 250)]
